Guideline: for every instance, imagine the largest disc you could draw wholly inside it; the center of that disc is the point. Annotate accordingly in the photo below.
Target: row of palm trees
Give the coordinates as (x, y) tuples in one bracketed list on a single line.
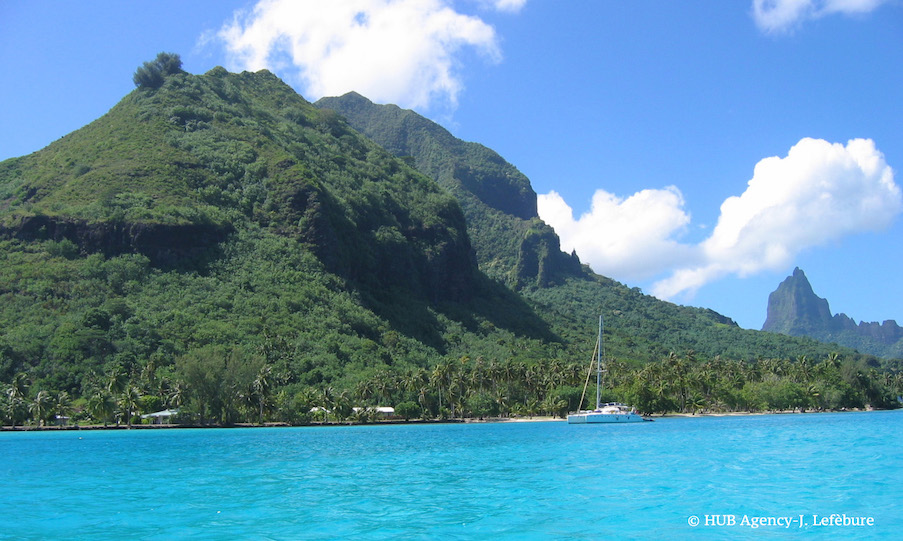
[(674, 384), (41, 409), (455, 386), (471, 387)]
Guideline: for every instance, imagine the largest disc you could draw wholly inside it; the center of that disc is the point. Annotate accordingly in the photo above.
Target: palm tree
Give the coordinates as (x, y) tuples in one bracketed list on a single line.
[(128, 403), (698, 402), (365, 390), (385, 385), (11, 408), (554, 406), (101, 406), (812, 396), (439, 379), (177, 394), (342, 406), (41, 407), (830, 367), (803, 369), (15, 394), (327, 401), (117, 380), (414, 380), (261, 388), (501, 400), (63, 405), (18, 386)]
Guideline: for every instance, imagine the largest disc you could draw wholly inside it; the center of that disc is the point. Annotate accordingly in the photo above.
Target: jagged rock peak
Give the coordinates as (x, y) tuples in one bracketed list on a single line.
[(795, 309)]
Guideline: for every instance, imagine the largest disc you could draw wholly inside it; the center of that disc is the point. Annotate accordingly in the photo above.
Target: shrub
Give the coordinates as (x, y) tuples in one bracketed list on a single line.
[(407, 410)]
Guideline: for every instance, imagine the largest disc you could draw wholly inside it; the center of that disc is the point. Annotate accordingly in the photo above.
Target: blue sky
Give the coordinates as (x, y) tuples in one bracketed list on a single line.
[(698, 150)]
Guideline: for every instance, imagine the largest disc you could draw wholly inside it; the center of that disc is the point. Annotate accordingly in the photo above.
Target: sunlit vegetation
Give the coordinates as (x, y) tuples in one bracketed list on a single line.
[(212, 385)]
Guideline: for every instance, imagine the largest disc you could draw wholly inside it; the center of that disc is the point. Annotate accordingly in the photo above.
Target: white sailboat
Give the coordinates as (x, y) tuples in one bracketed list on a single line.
[(604, 413)]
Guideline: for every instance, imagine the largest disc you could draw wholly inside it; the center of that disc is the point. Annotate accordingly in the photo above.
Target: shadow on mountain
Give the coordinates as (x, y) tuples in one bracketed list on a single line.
[(492, 306)]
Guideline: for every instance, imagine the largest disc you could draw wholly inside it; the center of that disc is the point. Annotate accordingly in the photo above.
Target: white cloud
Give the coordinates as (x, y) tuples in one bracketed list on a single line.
[(511, 6), (784, 15), (819, 193), (398, 51), (631, 239)]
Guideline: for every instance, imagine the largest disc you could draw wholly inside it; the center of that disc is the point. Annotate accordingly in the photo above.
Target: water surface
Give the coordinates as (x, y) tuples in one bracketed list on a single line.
[(473, 481)]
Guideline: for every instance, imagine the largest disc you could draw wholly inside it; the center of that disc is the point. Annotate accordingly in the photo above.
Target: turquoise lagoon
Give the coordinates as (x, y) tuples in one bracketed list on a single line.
[(463, 481)]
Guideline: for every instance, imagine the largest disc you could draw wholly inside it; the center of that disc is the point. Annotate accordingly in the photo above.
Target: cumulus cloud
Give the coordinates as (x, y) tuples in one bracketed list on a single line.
[(398, 51), (784, 15), (631, 238), (819, 193)]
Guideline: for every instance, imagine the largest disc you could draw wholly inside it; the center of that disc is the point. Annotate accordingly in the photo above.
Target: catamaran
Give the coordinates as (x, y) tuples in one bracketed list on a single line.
[(604, 413)]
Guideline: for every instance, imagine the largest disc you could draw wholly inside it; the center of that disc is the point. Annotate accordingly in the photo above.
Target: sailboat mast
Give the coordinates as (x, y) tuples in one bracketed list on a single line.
[(599, 368)]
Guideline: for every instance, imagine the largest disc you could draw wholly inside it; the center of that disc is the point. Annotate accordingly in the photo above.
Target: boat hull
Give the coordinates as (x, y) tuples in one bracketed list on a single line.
[(593, 417)]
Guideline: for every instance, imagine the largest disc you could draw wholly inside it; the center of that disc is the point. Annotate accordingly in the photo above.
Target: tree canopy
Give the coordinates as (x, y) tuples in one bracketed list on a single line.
[(152, 74)]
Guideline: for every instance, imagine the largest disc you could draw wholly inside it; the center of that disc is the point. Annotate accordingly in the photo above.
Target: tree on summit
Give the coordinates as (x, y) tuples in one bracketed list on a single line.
[(152, 74)]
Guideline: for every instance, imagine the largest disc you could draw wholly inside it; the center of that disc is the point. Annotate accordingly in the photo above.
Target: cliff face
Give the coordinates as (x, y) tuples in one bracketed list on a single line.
[(794, 309), (163, 244)]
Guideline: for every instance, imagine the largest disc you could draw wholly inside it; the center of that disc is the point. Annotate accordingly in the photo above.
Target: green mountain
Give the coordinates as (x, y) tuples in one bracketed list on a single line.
[(213, 231), (223, 208), (795, 310)]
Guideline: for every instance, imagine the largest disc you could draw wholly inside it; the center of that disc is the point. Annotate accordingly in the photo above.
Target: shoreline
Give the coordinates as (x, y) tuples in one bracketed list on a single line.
[(746, 413), (392, 422)]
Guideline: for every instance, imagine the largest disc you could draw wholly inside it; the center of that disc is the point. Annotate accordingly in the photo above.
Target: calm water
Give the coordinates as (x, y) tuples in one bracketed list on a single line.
[(476, 481)]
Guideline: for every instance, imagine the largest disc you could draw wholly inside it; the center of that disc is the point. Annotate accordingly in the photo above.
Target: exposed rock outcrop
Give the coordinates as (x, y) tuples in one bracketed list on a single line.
[(163, 244)]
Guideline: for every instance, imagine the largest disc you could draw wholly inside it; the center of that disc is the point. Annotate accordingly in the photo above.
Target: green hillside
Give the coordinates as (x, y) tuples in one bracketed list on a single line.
[(216, 243)]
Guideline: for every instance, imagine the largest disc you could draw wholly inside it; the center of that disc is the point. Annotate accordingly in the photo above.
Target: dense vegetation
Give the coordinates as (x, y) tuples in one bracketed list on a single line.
[(218, 245), (214, 385)]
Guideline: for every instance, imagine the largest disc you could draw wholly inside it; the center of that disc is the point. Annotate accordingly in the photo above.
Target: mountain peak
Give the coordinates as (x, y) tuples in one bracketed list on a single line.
[(795, 309)]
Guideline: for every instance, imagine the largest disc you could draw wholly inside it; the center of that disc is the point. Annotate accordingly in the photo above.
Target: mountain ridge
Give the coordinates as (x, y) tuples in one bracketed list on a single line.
[(511, 242)]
